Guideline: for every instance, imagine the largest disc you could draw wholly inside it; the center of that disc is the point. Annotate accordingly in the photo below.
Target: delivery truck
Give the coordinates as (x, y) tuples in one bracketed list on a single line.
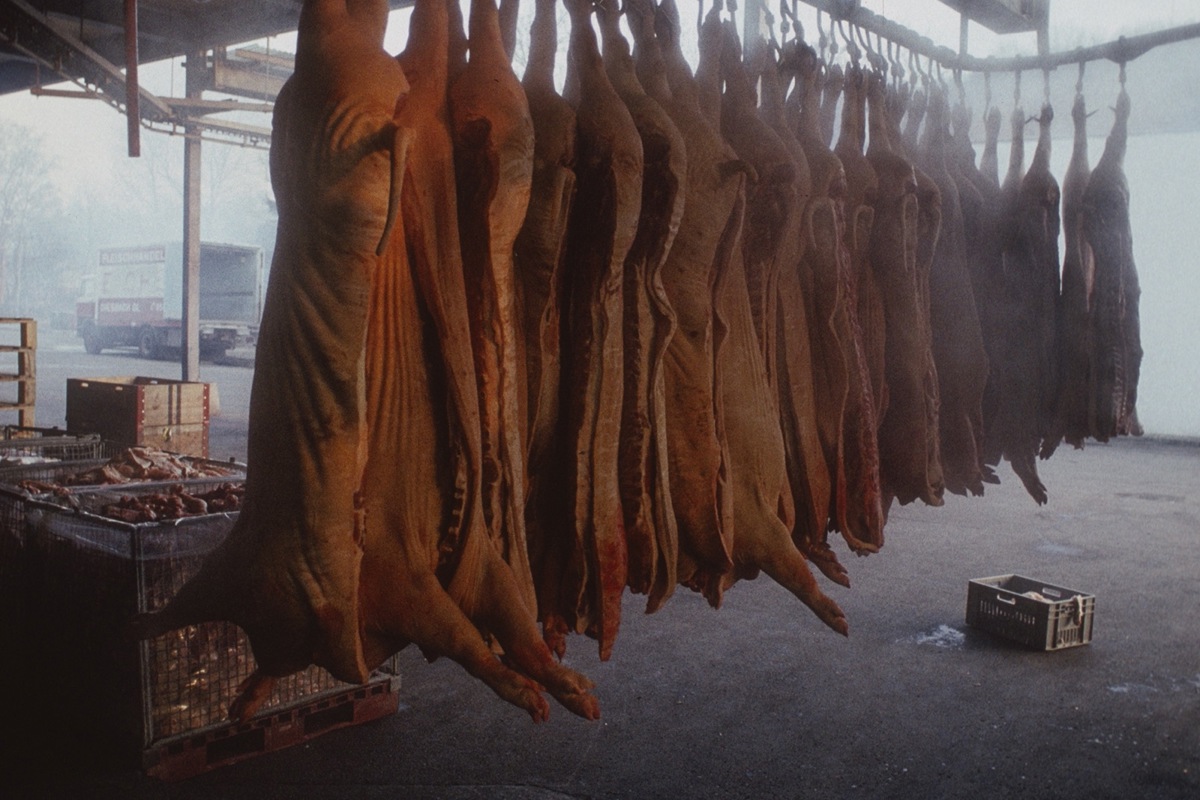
[(134, 298)]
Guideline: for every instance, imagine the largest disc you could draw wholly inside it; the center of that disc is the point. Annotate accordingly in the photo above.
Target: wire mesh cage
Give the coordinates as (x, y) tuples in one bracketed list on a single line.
[(96, 573), (24, 445), (16, 491)]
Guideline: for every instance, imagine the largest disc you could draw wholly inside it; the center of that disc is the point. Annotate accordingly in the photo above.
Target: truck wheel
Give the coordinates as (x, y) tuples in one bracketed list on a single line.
[(92, 343), (148, 343)]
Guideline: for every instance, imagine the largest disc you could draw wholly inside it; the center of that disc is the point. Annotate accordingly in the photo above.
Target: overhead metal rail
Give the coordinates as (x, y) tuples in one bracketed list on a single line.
[(1120, 50)]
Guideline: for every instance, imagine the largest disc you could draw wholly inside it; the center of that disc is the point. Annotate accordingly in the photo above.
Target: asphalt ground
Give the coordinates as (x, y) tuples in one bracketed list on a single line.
[(759, 700)]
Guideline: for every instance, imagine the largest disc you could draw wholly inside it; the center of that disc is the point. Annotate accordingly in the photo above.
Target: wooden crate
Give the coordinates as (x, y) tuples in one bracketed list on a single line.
[(160, 412)]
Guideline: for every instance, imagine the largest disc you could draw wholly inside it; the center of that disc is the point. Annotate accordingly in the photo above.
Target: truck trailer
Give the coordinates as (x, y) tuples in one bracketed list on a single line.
[(134, 298)]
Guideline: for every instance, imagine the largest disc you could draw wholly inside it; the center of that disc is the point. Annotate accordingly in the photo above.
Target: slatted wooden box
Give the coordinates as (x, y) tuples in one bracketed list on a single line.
[(160, 412)]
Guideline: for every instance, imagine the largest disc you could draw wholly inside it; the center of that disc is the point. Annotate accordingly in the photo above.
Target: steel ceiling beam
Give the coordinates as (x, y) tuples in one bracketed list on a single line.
[(1121, 50), (30, 32)]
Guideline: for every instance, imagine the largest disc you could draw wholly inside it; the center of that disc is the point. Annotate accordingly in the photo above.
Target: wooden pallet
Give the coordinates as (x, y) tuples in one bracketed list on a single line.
[(25, 375)]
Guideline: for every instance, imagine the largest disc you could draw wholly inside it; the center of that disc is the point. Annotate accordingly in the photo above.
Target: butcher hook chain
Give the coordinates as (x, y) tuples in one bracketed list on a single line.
[(833, 45), (789, 19), (822, 42), (897, 64), (874, 52), (1079, 82), (851, 48)]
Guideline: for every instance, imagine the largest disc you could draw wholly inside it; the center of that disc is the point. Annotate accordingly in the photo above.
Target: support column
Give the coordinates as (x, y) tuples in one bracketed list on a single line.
[(133, 114), (191, 229), (754, 24)]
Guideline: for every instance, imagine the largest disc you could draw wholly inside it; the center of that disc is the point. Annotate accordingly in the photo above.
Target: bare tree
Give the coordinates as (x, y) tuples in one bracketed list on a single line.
[(234, 181), (27, 198)]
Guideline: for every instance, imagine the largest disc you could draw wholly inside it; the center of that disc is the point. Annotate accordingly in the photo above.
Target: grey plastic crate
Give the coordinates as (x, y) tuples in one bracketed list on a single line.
[(1034, 613)]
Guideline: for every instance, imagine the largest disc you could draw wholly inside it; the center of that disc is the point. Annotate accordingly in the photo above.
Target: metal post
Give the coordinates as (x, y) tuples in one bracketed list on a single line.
[(133, 114), (190, 357), (754, 24)]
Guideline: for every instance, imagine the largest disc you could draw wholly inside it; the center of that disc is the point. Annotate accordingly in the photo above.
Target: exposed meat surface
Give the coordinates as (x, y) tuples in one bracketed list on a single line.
[(862, 188), (986, 224), (827, 261), (808, 471), (541, 244), (145, 464), (771, 200), (432, 573), (763, 514), (831, 89), (538, 265), (918, 103), (1078, 278), (929, 225), (649, 324), (998, 303), (493, 157), (864, 326), (1028, 360), (696, 461), (1116, 333), (175, 502), (958, 350), (603, 225), (288, 573), (904, 428)]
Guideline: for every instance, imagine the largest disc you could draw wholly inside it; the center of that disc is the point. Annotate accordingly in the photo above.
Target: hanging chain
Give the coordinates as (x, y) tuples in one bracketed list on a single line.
[(833, 45), (1079, 82), (822, 42)]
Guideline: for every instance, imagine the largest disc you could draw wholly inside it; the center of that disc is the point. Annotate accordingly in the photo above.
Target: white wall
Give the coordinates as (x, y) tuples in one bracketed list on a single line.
[(1164, 200), (1165, 211)]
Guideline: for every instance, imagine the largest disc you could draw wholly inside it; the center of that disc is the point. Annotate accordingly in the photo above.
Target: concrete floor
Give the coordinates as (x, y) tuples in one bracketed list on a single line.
[(758, 700)]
